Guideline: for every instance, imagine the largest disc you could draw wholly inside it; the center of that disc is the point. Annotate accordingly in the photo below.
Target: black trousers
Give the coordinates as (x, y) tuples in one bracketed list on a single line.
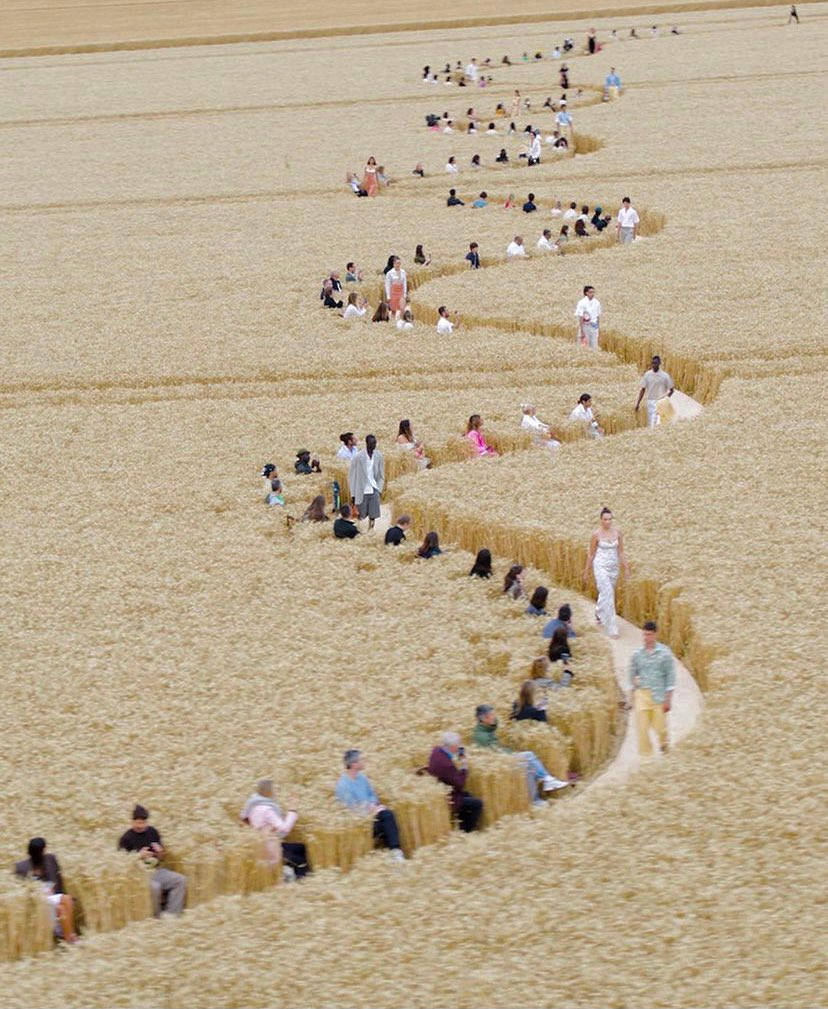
[(386, 830), (468, 812), (295, 855)]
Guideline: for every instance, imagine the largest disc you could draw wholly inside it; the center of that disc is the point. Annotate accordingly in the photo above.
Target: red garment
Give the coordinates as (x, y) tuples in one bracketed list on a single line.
[(443, 768)]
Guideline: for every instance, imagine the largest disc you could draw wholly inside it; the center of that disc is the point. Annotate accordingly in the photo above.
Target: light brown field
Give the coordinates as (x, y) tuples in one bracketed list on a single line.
[(167, 219)]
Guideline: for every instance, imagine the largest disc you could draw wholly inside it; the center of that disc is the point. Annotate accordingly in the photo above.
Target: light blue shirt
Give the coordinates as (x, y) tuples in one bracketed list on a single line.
[(613, 81), (655, 670), (553, 625), (563, 118), (356, 791)]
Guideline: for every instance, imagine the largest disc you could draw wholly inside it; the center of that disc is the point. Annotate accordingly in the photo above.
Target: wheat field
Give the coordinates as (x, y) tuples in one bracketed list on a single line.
[(168, 217)]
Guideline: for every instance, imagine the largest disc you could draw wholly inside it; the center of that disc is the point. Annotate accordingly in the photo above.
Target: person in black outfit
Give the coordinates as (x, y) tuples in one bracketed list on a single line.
[(524, 708), (503, 157), (343, 527), (304, 465), (482, 567), (168, 889), (473, 257), (530, 204), (395, 534), (42, 866), (453, 200)]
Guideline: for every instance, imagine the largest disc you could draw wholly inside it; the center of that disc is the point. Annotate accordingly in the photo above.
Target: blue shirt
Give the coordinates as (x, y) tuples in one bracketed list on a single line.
[(613, 81), (479, 203), (355, 791), (563, 118), (553, 625)]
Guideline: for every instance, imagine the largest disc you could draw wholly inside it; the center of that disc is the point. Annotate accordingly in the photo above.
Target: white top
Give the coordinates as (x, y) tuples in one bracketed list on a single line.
[(513, 250), (530, 423), (545, 244), (535, 147), (570, 215), (451, 168), (403, 324), (556, 212), (584, 414), (491, 132), (590, 307), (656, 383), (346, 453), (471, 71), (584, 218), (395, 277), (444, 325), (628, 217), (447, 129), (352, 312)]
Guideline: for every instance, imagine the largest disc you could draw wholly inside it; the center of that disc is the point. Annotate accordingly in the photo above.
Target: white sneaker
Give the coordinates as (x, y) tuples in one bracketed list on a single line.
[(396, 855), (551, 784), (288, 874)]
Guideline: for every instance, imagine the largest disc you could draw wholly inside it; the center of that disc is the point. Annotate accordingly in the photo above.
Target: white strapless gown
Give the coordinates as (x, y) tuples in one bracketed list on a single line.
[(605, 569)]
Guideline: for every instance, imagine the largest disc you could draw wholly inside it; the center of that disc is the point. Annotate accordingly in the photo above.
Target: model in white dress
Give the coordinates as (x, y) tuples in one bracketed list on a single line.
[(606, 555)]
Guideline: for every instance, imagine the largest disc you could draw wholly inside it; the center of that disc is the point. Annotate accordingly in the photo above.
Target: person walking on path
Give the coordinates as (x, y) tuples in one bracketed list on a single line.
[(606, 554), (588, 314), (396, 288), (366, 479), (652, 680), (146, 840), (627, 222), (655, 384), (793, 16)]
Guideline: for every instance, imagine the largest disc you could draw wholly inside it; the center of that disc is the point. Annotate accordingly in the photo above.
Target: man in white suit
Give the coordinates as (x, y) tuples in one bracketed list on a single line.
[(366, 479)]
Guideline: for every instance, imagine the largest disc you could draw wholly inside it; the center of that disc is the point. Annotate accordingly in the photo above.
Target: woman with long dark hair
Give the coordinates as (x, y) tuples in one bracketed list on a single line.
[(524, 708), (430, 546), (482, 567), (513, 582), (537, 604), (43, 867)]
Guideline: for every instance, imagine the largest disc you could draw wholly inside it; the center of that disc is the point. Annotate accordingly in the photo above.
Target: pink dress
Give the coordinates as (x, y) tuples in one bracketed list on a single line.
[(369, 180), (481, 448)]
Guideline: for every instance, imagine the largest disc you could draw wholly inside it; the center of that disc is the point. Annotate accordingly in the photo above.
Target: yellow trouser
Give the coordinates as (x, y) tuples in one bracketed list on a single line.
[(649, 715)]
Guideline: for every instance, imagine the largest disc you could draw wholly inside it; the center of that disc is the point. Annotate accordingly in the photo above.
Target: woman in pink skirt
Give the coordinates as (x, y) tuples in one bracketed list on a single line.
[(369, 178), (396, 288)]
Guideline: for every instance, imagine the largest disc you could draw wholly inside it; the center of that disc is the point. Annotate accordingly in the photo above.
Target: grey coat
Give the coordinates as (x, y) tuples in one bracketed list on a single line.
[(358, 473)]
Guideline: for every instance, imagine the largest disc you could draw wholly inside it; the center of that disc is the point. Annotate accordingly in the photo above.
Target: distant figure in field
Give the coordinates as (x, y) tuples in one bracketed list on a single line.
[(580, 229), (396, 288), (448, 765), (481, 201), (348, 449), (793, 16), (653, 680), (655, 385), (420, 257), (43, 867), (571, 212), (474, 434), (163, 883), (445, 323), (592, 41), (515, 249), (369, 177), (582, 414), (612, 84), (539, 431), (315, 512), (482, 567), (563, 619), (524, 708), (451, 166), (513, 582), (304, 465), (473, 256), (530, 206), (537, 602), (605, 555), (344, 528), (355, 791), (588, 314), (382, 313), (545, 243), (263, 814), (430, 547), (627, 222), (366, 479), (395, 534), (356, 308), (407, 441), (406, 321), (454, 200), (563, 120)]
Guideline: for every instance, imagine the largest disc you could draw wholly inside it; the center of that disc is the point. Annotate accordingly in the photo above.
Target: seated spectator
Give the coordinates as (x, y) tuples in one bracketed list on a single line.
[(447, 763), (563, 238), (407, 440), (582, 413), (395, 534), (545, 243), (475, 161), (454, 200), (406, 321), (556, 210), (580, 229), (430, 546), (353, 275), (481, 200), (474, 433), (584, 214), (530, 206), (167, 889), (524, 708), (513, 582), (273, 485), (354, 790), (263, 814), (571, 213), (473, 256), (515, 248), (327, 295), (304, 465), (559, 142), (356, 308), (563, 619), (420, 257), (596, 220), (503, 157), (451, 165), (445, 324), (510, 204), (449, 127), (491, 131), (315, 512), (561, 651), (418, 170), (43, 867), (484, 735), (382, 313), (482, 567), (537, 603), (348, 449), (354, 186), (343, 527), (539, 431)]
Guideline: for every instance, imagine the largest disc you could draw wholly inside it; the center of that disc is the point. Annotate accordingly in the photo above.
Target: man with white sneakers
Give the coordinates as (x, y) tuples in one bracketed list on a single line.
[(655, 384)]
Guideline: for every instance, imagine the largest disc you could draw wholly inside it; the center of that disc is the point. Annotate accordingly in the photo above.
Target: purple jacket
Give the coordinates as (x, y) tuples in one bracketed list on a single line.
[(443, 768)]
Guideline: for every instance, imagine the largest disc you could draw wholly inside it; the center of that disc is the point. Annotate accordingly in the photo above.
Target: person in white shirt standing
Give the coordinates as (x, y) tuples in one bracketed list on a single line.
[(366, 478), (627, 223), (588, 314), (656, 385), (444, 322), (582, 414), (515, 248), (471, 70), (535, 149)]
